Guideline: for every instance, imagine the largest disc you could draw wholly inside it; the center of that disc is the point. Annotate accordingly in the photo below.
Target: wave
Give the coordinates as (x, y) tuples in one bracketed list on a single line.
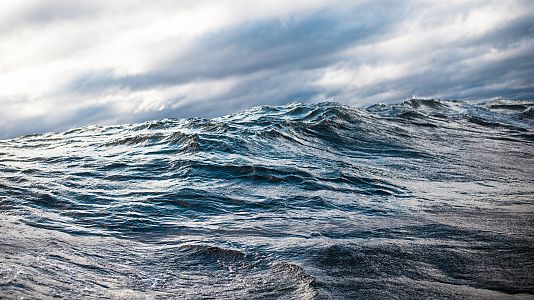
[(423, 198)]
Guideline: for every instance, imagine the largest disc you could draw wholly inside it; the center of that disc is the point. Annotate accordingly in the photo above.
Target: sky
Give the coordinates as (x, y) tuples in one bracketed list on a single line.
[(66, 64)]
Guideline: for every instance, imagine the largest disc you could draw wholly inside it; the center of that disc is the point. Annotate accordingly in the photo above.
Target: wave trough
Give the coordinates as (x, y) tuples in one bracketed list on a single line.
[(420, 199)]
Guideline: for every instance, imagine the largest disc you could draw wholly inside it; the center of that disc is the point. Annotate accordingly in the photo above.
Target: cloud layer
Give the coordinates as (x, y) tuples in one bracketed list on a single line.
[(65, 64)]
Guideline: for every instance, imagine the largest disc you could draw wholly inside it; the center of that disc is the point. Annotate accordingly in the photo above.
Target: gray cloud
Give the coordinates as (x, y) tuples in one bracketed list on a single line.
[(152, 65), (303, 43)]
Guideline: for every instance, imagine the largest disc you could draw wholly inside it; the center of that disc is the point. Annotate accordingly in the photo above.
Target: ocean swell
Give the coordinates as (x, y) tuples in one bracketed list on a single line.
[(419, 199)]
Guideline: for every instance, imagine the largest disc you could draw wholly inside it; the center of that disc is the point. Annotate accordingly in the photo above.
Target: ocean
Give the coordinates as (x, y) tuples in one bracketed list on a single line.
[(420, 199)]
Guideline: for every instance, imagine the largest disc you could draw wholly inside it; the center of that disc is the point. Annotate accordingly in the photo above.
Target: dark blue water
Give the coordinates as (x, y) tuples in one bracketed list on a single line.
[(422, 199)]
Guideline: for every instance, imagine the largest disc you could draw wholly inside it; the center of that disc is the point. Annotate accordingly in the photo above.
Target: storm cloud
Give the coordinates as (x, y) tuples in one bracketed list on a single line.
[(65, 64)]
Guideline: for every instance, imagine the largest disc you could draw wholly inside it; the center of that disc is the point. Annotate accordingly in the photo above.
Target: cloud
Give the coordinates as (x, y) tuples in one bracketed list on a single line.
[(105, 62)]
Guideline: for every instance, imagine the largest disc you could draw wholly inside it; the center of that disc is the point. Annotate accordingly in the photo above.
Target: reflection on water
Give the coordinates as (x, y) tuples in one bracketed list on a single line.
[(422, 199)]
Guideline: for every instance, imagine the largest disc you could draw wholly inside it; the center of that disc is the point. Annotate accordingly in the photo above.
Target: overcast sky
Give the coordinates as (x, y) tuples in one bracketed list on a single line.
[(66, 63)]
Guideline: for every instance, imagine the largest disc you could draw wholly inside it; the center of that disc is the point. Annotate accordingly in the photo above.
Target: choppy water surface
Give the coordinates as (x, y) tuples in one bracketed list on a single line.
[(422, 199)]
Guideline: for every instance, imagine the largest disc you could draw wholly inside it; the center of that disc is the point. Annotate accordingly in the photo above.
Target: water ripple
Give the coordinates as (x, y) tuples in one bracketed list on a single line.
[(420, 199)]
